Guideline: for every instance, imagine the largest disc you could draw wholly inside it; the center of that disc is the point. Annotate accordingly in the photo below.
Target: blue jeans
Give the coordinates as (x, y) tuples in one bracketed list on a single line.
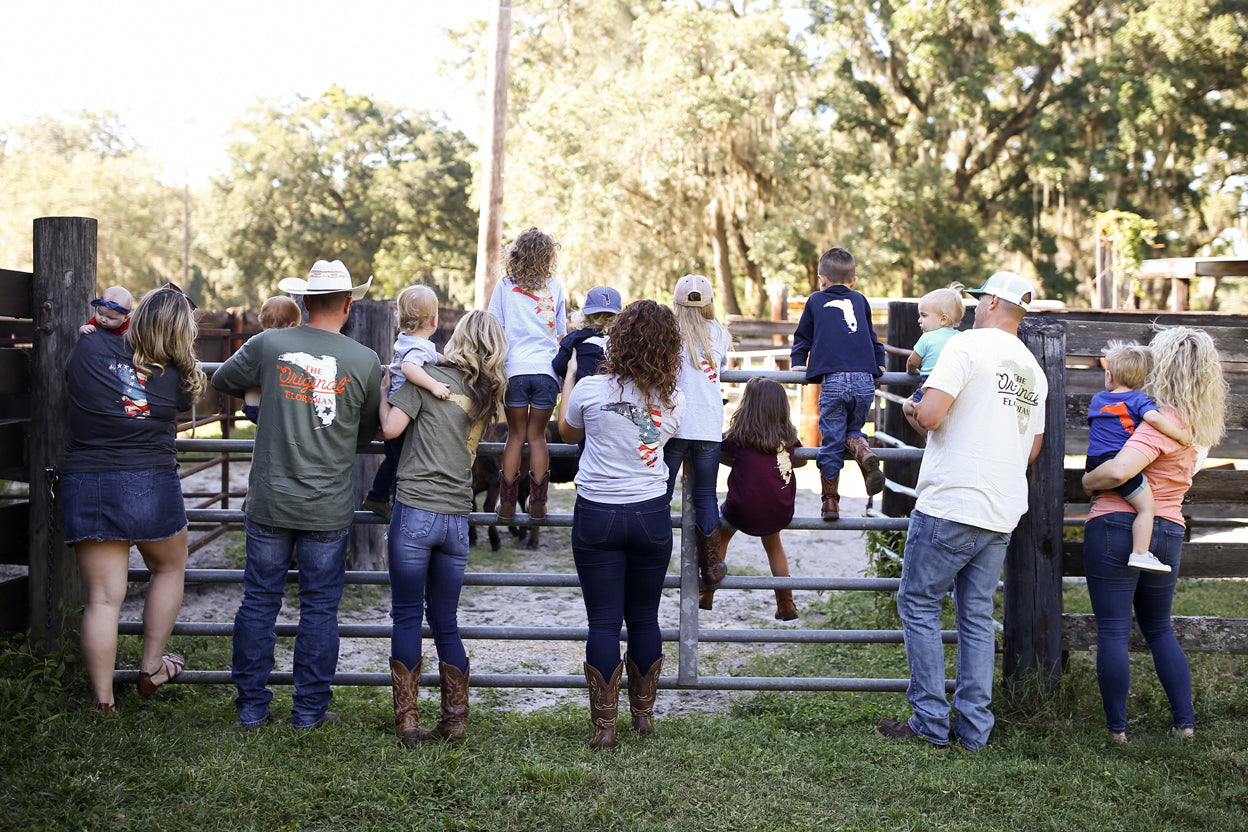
[(621, 554), (703, 462), (428, 556), (845, 401), (943, 555), (1115, 589), (322, 557)]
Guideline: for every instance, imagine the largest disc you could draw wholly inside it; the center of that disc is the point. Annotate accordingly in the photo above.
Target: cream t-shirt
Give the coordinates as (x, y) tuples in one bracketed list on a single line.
[(974, 470)]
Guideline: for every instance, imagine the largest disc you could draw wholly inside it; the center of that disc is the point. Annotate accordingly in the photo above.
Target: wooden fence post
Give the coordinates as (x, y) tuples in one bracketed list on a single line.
[(64, 283), (1033, 564), (373, 324)]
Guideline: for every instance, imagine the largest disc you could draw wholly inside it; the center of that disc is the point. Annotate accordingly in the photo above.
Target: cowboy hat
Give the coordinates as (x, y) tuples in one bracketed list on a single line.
[(325, 278)]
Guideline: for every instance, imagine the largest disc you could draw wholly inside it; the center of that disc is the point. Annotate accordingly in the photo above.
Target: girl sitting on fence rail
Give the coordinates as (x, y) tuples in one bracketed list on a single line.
[(120, 483), (762, 487)]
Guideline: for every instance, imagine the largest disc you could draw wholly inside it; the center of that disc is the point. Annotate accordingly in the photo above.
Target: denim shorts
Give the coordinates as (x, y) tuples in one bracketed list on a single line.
[(122, 505), (539, 392)]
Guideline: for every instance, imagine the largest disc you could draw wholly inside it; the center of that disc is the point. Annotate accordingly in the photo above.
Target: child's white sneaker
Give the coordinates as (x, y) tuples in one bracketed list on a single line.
[(1146, 561)]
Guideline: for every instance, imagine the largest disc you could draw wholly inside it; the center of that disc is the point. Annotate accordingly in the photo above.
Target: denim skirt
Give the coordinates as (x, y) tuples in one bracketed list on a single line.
[(122, 505)]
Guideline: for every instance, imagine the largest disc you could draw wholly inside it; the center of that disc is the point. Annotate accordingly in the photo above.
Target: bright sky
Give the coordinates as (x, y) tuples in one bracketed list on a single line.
[(179, 74)]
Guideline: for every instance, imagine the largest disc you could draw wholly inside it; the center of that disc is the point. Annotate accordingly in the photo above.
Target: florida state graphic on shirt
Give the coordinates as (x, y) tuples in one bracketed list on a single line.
[(312, 379), (648, 423)]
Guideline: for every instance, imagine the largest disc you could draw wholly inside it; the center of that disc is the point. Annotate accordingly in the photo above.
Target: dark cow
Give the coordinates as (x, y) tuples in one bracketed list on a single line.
[(485, 480)]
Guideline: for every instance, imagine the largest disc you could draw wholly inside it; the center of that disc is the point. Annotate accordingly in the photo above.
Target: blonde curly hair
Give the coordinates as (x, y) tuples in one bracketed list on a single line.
[(1187, 378)]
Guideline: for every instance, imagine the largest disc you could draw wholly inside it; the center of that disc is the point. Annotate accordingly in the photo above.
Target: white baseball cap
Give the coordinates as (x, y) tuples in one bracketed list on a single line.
[(1009, 286)]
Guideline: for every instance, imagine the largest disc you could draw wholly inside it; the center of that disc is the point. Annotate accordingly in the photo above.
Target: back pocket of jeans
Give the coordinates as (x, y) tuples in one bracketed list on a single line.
[(591, 525)]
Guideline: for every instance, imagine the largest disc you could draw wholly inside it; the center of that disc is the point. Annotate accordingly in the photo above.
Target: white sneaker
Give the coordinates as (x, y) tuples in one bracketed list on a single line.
[(1146, 561)]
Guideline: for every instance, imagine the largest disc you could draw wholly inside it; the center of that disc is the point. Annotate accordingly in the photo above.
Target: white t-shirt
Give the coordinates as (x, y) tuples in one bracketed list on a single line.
[(974, 470), (534, 323), (704, 398), (411, 349), (624, 437)]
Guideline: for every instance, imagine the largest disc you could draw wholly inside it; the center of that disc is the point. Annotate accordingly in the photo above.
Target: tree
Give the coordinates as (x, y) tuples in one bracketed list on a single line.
[(344, 177), (88, 165)]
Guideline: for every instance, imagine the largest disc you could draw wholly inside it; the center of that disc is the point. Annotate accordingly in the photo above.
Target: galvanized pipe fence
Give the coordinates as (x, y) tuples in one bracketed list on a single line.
[(688, 634)]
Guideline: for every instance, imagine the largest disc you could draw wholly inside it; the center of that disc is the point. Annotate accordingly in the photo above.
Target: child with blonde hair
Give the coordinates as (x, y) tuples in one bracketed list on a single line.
[(531, 305), (940, 313), (277, 312), (1112, 418), (762, 487), (704, 348), (418, 321)]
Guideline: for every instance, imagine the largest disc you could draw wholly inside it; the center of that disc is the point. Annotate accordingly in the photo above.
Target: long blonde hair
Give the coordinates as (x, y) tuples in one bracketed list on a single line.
[(698, 328), (1187, 378), (478, 347), (162, 334)]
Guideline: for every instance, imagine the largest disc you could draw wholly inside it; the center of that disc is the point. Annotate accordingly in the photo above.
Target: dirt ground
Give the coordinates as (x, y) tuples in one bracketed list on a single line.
[(811, 554)]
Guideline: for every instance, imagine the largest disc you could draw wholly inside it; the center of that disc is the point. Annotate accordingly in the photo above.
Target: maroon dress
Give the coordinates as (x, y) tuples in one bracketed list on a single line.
[(761, 490)]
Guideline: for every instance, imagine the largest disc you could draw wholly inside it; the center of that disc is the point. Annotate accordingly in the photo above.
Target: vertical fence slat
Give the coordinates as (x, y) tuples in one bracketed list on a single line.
[(1033, 564), (64, 282)]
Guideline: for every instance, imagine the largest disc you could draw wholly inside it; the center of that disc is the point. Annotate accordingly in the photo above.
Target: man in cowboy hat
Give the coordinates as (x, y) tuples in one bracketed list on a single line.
[(319, 395)]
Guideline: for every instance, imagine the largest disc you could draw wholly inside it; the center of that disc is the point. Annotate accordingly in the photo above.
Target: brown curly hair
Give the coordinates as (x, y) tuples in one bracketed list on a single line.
[(530, 259), (645, 348)]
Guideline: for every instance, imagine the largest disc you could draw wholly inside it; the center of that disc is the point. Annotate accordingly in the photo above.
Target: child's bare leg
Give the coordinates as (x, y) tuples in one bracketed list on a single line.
[(1142, 526), (1142, 533), (517, 427), (535, 433), (786, 610)]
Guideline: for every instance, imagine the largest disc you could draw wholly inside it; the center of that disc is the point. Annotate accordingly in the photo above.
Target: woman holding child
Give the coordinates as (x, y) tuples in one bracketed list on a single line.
[(1186, 383), (120, 483), (622, 521), (428, 540)]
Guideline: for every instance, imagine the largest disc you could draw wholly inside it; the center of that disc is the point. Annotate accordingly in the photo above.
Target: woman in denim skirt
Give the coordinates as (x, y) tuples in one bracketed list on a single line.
[(121, 485), (428, 540), (622, 522), (1187, 384)]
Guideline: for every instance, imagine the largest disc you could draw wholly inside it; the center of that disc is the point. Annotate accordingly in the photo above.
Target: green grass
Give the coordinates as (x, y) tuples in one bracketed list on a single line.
[(773, 761)]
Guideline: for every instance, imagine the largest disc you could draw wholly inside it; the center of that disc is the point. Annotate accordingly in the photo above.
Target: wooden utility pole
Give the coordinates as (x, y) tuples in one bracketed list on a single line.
[(490, 228)]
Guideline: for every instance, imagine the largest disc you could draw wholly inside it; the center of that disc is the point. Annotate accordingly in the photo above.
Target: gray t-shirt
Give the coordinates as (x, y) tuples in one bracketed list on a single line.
[(624, 437), (435, 468), (319, 392)]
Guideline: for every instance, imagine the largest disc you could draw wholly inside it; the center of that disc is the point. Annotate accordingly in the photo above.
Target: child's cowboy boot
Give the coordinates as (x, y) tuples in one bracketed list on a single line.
[(831, 506), (508, 495), (537, 496), (868, 462)]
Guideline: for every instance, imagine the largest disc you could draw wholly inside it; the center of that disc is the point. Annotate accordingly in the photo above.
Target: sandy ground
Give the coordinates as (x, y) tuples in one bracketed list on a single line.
[(811, 554)]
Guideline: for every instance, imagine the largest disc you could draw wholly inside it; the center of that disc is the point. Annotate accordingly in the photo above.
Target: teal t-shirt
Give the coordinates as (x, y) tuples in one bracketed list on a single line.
[(319, 395), (435, 467), (929, 346)]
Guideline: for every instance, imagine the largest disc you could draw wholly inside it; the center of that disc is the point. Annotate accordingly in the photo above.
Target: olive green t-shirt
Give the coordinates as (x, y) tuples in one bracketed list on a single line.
[(319, 398), (435, 467)]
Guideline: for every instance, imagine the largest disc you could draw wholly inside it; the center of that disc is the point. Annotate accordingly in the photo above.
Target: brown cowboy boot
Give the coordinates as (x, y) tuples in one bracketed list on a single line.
[(537, 496), (641, 693), (454, 721), (706, 599), (786, 610), (831, 508), (711, 565), (604, 705), (868, 463), (406, 685), (508, 496)]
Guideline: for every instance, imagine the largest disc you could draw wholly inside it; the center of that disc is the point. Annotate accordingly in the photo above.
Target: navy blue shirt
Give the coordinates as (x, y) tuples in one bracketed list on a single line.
[(118, 420), (835, 335), (589, 345)]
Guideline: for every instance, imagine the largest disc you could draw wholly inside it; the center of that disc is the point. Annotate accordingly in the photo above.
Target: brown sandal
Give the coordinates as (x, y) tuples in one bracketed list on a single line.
[(171, 664)]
